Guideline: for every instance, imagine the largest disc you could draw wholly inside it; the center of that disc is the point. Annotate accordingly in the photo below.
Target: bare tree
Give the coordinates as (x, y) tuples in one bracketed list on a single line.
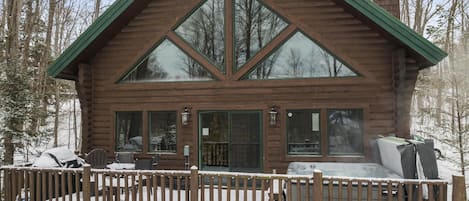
[(97, 8), (295, 63), (13, 121)]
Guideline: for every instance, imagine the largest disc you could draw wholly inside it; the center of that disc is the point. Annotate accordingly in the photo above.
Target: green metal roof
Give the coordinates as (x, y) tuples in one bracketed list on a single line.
[(374, 12), (87, 37), (396, 28)]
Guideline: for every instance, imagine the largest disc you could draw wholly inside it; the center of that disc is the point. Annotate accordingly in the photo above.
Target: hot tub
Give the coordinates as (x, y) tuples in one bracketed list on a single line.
[(358, 170)]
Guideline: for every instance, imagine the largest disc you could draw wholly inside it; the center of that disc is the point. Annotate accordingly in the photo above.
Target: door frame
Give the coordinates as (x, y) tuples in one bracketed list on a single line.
[(230, 112)]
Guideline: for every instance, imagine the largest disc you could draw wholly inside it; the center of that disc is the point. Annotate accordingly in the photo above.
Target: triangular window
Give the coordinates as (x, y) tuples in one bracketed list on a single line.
[(167, 63), (300, 57), (255, 27), (204, 31)]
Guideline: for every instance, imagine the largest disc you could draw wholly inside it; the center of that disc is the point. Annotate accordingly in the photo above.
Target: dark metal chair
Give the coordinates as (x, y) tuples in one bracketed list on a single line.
[(97, 158)]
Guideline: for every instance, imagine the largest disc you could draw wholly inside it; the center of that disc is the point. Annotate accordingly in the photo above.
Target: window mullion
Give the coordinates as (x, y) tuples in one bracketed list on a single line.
[(195, 55), (265, 51), (229, 35)]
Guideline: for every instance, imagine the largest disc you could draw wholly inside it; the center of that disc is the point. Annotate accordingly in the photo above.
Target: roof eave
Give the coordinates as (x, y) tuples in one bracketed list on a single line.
[(88, 37), (400, 31)]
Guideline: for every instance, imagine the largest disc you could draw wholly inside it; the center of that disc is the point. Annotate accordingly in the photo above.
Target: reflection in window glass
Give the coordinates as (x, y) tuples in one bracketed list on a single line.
[(162, 132), (303, 132), (345, 131), (255, 26), (300, 57), (167, 63), (204, 30), (128, 131)]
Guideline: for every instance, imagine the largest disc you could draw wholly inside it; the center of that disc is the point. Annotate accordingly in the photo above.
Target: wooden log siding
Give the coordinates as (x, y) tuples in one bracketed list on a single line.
[(202, 185), (328, 23), (84, 86)]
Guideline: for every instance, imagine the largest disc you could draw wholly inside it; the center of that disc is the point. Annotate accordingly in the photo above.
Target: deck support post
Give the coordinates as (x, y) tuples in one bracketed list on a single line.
[(317, 185), (194, 183), (459, 188), (86, 182)]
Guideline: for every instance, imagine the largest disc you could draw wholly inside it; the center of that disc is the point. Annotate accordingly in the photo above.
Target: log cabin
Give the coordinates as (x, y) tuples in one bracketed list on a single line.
[(245, 85)]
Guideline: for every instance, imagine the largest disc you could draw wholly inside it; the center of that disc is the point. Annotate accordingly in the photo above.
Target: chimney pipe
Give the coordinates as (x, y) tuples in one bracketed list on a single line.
[(392, 6)]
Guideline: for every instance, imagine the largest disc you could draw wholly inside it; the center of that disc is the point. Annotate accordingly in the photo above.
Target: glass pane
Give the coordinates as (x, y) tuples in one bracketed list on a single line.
[(300, 57), (204, 30), (245, 142), (215, 140), (255, 26), (162, 132), (303, 132), (167, 63), (345, 131), (129, 131)]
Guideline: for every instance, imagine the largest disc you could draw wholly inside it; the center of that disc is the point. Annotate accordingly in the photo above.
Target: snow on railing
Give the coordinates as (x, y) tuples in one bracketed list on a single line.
[(28, 183)]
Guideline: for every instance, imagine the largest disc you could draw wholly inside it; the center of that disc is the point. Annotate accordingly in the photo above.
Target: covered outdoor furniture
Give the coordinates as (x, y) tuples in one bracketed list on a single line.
[(125, 157), (143, 164), (97, 158)]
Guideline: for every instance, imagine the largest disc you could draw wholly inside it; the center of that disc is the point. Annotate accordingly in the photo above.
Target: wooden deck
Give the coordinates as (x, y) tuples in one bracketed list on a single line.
[(88, 184)]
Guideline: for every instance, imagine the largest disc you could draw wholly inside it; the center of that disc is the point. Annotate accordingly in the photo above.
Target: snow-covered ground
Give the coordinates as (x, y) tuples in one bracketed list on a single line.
[(447, 167), (66, 134)]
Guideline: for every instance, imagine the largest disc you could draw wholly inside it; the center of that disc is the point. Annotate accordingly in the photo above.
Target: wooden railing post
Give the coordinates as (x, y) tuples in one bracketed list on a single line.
[(86, 182), (6, 190), (317, 185), (2, 192), (194, 183), (459, 188)]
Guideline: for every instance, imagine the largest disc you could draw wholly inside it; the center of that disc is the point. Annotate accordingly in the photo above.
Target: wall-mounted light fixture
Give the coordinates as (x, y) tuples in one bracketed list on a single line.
[(273, 116), (185, 115)]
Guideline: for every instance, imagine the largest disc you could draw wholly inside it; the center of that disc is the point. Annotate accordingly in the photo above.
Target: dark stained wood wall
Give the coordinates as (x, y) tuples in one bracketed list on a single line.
[(337, 29)]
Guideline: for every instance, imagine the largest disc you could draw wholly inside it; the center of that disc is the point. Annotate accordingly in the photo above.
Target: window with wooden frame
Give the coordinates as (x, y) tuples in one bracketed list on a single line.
[(299, 57), (129, 131), (343, 132), (303, 132), (167, 63), (236, 40), (162, 131)]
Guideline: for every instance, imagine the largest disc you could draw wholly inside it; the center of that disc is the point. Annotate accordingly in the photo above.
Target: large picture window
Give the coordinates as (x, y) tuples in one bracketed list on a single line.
[(303, 132), (341, 131), (129, 131), (162, 132), (345, 131)]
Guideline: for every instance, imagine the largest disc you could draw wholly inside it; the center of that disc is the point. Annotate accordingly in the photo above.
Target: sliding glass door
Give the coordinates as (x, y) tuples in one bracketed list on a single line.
[(230, 141)]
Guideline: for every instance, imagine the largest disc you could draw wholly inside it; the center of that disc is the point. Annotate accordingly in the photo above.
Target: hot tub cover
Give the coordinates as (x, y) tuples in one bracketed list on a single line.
[(362, 170)]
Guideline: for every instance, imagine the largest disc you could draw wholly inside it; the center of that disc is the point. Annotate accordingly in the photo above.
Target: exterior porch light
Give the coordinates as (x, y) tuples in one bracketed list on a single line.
[(273, 116), (185, 116)]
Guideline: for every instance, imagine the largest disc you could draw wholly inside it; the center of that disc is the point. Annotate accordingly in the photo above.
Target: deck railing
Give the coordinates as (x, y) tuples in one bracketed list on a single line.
[(21, 183)]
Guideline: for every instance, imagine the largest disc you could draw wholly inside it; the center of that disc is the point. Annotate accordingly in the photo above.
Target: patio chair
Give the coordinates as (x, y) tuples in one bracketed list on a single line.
[(97, 158)]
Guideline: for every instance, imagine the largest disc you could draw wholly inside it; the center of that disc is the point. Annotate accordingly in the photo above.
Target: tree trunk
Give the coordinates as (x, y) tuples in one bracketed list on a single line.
[(40, 97), (97, 9), (75, 130), (57, 112), (3, 19), (13, 12), (28, 32)]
